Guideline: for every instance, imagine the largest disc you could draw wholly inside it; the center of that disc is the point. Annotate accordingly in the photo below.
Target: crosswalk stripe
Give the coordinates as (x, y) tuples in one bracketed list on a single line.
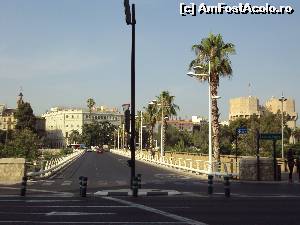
[(67, 183)]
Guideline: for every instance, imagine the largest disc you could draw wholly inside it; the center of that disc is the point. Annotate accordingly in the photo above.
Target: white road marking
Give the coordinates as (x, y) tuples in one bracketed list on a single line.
[(80, 206), (75, 222), (48, 183), (63, 194), (101, 182), (66, 183), (121, 182), (52, 200), (76, 213), (157, 211)]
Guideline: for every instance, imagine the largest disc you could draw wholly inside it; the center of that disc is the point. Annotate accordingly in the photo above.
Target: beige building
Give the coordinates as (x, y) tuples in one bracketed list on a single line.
[(244, 107), (274, 106), (60, 122), (7, 118), (7, 115)]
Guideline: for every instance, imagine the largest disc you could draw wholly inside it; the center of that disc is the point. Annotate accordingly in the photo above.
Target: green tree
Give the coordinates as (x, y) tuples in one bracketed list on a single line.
[(200, 138), (90, 104), (25, 117), (166, 106), (215, 51), (150, 121), (266, 123), (25, 143), (75, 137), (166, 109), (98, 133)]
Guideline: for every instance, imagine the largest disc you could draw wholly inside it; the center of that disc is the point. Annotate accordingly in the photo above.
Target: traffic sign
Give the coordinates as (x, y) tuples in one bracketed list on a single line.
[(270, 136), (242, 130)]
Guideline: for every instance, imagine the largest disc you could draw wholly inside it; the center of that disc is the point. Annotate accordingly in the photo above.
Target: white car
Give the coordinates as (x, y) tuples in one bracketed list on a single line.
[(89, 150)]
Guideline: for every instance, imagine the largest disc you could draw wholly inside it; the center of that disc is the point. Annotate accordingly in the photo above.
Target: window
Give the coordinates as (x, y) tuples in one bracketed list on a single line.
[(67, 116), (72, 116), (67, 125)]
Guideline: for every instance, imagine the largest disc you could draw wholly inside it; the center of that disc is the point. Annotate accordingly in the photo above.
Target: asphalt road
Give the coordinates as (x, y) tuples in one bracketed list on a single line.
[(56, 200), (110, 171), (150, 210)]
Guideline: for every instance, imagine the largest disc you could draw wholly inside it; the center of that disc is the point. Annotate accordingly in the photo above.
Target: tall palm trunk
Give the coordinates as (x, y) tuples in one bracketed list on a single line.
[(215, 118)]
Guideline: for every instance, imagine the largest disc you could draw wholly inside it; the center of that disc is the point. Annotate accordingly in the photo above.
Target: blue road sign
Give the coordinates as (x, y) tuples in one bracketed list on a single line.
[(242, 130)]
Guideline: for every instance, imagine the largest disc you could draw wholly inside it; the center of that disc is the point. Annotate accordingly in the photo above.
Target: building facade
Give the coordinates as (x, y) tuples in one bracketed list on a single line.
[(275, 106), (7, 115), (181, 125), (7, 118), (60, 122), (244, 107)]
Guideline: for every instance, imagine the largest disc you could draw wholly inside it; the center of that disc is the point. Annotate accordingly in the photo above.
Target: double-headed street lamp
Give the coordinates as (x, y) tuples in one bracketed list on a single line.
[(282, 99), (203, 76)]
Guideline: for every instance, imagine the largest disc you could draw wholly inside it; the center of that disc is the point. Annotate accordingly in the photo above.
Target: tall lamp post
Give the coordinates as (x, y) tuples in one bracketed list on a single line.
[(141, 131), (203, 76), (282, 99), (154, 102)]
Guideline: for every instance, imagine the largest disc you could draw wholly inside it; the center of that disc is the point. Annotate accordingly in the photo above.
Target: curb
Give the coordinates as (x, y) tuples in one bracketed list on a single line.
[(141, 192)]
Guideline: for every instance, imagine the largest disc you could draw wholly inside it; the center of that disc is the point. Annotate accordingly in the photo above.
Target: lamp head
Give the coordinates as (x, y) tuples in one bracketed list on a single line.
[(216, 97)]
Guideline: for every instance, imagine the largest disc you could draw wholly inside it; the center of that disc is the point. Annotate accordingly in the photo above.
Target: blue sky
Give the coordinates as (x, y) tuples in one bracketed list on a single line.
[(64, 51)]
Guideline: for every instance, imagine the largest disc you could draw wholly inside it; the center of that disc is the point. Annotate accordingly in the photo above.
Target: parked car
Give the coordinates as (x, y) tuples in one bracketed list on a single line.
[(99, 151), (89, 150)]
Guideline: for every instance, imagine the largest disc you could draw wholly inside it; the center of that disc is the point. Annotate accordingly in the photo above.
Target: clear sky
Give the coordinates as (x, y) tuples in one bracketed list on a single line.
[(64, 51)]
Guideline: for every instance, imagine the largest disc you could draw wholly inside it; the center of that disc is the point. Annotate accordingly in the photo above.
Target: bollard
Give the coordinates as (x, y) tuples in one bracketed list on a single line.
[(23, 187), (210, 184), (139, 181), (135, 187), (226, 186), (80, 185), (84, 186)]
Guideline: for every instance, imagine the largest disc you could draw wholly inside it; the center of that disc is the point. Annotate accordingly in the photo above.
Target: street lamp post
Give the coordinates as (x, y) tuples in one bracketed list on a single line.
[(282, 99), (199, 76), (162, 125), (130, 20), (118, 137), (141, 132)]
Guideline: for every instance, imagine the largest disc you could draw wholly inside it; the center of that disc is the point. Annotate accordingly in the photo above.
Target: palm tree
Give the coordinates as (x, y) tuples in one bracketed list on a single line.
[(90, 104), (166, 109), (214, 50), (150, 119)]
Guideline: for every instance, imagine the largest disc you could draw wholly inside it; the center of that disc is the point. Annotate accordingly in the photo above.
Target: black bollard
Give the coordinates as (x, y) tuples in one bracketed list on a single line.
[(80, 185), (84, 186), (23, 187), (139, 181), (135, 187), (226, 186), (210, 184)]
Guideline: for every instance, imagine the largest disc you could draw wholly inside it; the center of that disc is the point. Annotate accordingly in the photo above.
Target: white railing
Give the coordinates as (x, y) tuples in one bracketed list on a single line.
[(51, 166), (196, 166)]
